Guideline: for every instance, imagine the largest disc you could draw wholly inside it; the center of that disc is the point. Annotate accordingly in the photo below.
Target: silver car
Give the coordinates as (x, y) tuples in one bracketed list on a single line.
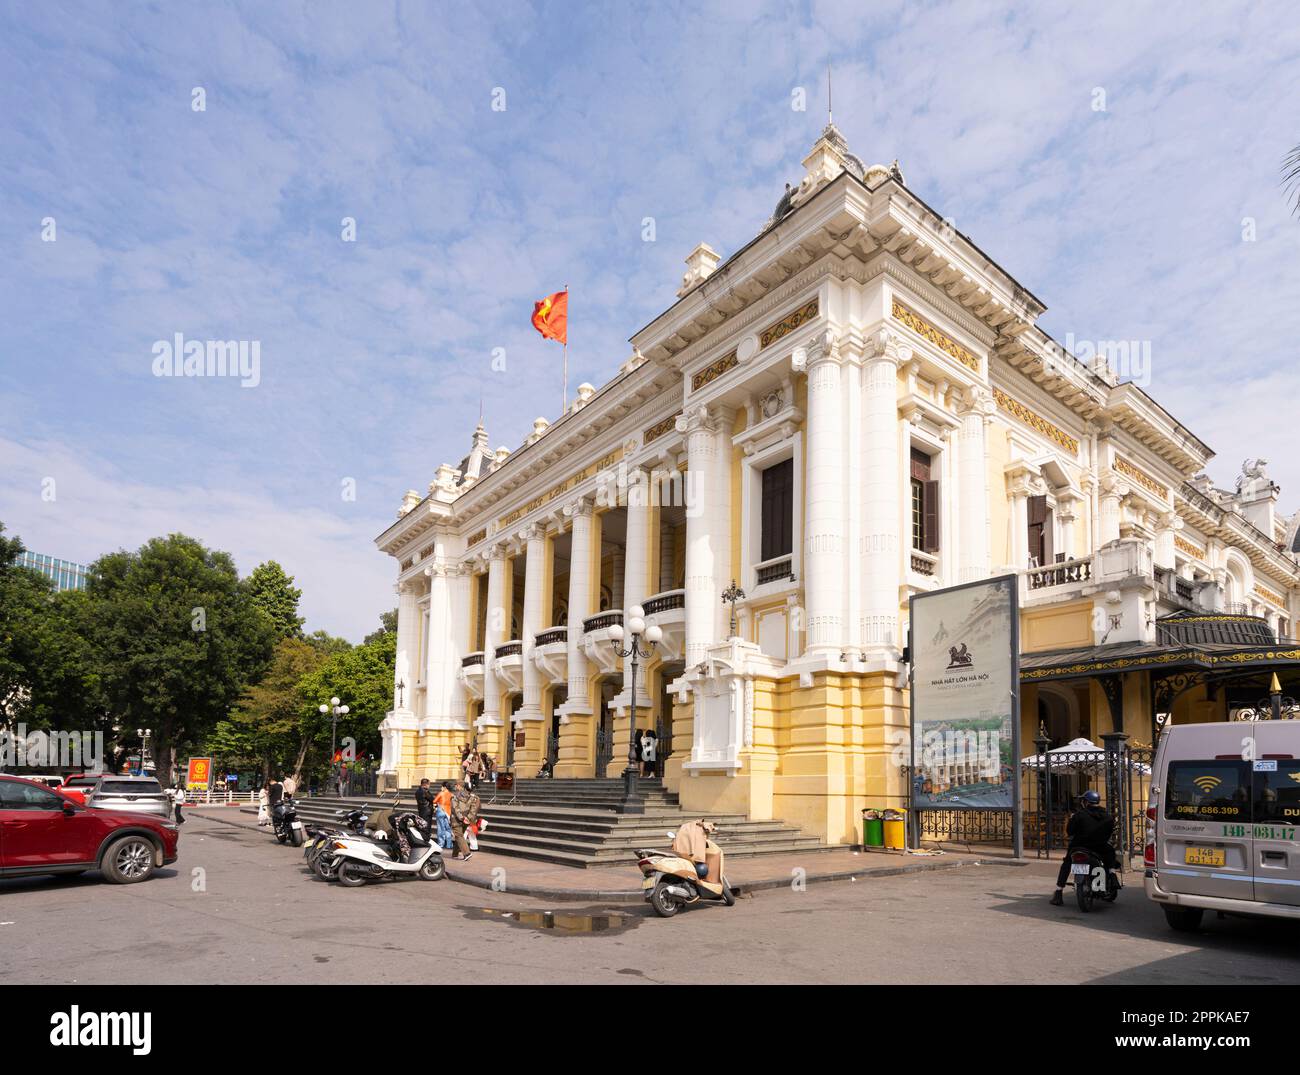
[(130, 794)]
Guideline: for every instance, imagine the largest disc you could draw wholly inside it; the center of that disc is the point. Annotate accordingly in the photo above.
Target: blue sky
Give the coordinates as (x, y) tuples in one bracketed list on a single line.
[(227, 224)]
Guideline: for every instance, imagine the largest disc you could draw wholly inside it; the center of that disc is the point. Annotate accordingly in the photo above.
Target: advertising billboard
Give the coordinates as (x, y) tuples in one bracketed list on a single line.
[(965, 677), (198, 773)]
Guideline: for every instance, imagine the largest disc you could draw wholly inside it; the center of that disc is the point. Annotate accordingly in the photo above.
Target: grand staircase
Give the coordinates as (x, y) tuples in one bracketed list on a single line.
[(580, 823)]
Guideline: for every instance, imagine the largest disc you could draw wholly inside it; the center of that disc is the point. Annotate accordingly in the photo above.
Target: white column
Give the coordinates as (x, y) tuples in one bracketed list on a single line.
[(881, 493), (704, 552), (459, 631), (972, 493), (580, 571), (1112, 492), (498, 626), (439, 673), (854, 622), (1168, 526), (636, 568), (534, 587), (408, 644), (825, 561)]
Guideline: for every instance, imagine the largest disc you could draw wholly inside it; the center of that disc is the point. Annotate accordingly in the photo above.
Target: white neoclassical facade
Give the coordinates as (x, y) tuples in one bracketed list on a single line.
[(856, 406)]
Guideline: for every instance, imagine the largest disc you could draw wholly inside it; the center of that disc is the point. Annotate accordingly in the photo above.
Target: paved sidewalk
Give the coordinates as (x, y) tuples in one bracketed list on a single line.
[(622, 884)]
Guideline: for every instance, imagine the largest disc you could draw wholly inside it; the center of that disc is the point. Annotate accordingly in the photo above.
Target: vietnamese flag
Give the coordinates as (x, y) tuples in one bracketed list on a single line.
[(551, 317)]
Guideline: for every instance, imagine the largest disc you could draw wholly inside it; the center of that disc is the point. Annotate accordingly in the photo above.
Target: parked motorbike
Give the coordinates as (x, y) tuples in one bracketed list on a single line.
[(285, 824), (318, 853), (673, 882), (361, 860), (1092, 880)]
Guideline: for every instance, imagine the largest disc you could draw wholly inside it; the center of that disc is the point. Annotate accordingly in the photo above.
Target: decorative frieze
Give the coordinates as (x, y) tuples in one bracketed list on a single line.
[(573, 480), (788, 323), (477, 536), (659, 429), (1036, 421), (1269, 595), (924, 329), (1141, 477), (1185, 546), (713, 371)]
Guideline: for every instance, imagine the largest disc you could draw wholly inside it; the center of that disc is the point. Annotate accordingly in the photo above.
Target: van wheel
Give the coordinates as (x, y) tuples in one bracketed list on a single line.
[(129, 860), (1184, 919)]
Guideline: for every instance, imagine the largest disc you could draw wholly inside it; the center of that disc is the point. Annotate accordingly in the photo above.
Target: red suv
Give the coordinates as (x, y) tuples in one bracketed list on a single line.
[(43, 832)]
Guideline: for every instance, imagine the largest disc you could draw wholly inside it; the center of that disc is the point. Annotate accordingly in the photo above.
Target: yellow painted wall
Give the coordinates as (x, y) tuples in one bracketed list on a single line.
[(1056, 627)]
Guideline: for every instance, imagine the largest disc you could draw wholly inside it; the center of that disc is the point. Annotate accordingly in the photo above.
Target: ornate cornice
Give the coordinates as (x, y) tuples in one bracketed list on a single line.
[(1141, 477), (1036, 421), (927, 331)]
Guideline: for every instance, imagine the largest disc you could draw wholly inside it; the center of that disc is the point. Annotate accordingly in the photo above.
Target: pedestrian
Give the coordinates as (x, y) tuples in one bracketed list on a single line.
[(442, 814), (649, 747), (290, 786), (464, 813), (275, 792), (473, 768), (424, 802), (340, 780), (263, 808), (178, 801)]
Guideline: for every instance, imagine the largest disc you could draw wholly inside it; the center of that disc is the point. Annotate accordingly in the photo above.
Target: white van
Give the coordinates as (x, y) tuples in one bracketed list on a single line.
[(1223, 823)]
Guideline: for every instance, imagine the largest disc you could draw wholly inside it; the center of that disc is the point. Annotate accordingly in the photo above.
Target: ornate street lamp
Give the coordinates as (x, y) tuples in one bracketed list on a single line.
[(730, 596), (636, 631), (337, 711)]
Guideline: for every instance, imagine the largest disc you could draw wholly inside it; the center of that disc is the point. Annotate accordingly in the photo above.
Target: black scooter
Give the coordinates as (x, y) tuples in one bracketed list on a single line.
[(1092, 879), (285, 824)]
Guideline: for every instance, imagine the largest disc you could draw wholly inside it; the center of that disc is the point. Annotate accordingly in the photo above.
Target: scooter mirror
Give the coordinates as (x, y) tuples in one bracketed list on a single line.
[(672, 836)]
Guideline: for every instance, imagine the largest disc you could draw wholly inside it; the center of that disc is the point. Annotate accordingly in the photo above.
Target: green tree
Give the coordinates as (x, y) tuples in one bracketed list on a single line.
[(273, 715), (362, 678), (178, 637), (273, 591), (387, 626)]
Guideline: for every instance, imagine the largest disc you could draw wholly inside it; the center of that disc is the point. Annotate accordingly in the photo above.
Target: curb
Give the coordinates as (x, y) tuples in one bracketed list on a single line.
[(746, 888)]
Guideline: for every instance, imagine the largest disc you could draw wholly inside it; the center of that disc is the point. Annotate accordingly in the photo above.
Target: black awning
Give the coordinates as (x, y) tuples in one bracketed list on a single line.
[(1121, 657), (1188, 628)]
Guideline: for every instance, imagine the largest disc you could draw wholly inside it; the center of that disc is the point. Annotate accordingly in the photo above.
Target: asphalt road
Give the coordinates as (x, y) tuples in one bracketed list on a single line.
[(255, 915)]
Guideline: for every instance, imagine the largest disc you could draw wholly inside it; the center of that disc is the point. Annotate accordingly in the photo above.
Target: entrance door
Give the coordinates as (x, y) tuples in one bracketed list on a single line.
[(1277, 814), (604, 731)]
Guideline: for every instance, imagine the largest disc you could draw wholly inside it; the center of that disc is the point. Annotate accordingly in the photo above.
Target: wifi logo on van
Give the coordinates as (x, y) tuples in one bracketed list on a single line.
[(1207, 783)]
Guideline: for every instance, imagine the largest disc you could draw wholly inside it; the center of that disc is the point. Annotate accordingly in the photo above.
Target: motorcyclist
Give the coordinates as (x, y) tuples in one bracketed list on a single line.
[(1089, 829)]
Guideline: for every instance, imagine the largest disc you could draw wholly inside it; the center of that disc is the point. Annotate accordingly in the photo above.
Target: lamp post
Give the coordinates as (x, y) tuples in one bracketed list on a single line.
[(336, 711), (636, 630), (144, 734), (730, 596)]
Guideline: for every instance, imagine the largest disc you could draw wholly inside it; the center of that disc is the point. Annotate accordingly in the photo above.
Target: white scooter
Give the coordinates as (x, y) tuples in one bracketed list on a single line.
[(361, 860)]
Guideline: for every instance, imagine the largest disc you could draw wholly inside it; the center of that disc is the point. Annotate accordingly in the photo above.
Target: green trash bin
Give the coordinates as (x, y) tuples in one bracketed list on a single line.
[(873, 829)]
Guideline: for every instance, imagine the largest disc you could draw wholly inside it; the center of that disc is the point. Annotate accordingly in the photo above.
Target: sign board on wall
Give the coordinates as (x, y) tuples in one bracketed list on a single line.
[(965, 694)]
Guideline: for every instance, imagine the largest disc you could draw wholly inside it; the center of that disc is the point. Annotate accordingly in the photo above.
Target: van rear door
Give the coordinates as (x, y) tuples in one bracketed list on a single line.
[(1206, 846), (1277, 813)]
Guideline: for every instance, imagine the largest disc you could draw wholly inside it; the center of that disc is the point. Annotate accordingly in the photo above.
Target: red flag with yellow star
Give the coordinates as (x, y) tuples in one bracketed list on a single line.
[(551, 317)]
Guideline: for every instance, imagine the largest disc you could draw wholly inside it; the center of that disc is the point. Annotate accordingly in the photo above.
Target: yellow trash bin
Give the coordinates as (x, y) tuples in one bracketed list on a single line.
[(895, 830)]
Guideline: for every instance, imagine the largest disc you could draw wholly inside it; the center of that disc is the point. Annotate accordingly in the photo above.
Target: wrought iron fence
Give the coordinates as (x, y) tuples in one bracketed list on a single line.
[(351, 783), (1051, 783)]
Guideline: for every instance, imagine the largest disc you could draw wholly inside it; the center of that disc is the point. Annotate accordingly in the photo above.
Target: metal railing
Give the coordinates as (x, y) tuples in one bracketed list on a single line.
[(601, 621), (662, 602), (471, 659), (509, 649), (774, 570), (547, 638)]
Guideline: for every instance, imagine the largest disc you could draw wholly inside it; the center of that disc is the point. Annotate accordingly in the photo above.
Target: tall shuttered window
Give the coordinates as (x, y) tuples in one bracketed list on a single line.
[(1040, 530), (778, 510), (925, 503)]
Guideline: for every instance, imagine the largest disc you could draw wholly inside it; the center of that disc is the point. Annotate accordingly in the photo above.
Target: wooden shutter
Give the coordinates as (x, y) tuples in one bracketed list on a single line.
[(930, 516), (1037, 528), (778, 510), (920, 465)]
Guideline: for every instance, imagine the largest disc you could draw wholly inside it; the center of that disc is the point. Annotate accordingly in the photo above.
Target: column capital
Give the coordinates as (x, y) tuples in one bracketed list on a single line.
[(698, 419), (535, 532), (582, 506), (886, 346), (496, 553), (975, 399)]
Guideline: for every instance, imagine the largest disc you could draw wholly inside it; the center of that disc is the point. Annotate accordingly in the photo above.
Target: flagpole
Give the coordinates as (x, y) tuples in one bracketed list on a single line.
[(564, 401)]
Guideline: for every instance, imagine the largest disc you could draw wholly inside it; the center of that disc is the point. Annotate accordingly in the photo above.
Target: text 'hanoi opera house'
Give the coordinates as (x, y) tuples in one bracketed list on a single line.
[(855, 407)]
